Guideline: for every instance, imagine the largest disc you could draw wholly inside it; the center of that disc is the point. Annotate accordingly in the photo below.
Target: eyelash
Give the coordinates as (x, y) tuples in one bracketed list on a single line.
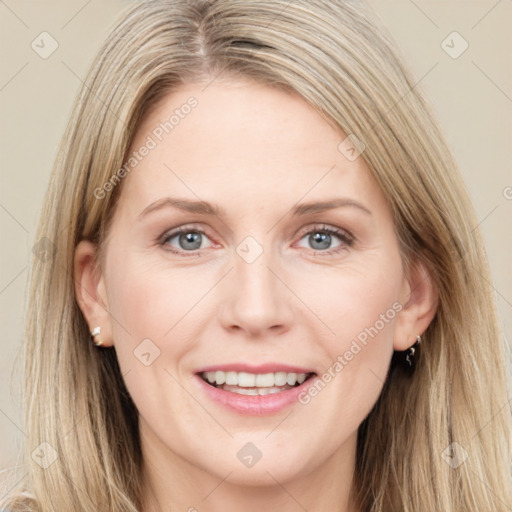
[(345, 237)]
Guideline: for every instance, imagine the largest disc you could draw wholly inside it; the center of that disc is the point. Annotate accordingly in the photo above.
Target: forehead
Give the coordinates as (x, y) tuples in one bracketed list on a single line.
[(243, 142)]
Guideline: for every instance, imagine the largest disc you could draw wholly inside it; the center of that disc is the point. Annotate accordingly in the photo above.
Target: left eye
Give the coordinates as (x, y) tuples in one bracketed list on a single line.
[(322, 238)]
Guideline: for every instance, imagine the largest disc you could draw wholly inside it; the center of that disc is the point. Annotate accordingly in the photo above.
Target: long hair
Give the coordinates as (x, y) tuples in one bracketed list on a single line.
[(79, 418)]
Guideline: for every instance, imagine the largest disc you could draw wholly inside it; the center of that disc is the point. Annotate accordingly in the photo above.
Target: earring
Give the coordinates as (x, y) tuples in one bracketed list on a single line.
[(95, 332), (410, 353), (407, 359)]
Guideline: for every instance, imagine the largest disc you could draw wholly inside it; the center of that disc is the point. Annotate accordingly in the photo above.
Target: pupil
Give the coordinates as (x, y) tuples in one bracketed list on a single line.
[(189, 238), (323, 238)]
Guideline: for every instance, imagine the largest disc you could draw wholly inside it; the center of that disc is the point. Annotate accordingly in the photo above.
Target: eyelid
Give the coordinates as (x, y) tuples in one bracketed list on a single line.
[(172, 232), (343, 233)]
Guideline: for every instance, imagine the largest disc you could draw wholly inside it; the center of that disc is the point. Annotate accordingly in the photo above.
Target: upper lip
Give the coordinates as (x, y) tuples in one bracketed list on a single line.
[(262, 368)]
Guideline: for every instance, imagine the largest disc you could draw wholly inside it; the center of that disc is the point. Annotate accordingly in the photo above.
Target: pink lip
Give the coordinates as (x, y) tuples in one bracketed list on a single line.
[(262, 368), (254, 405)]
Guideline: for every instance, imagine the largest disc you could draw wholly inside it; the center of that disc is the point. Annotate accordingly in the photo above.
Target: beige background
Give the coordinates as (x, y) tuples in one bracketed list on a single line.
[(472, 95)]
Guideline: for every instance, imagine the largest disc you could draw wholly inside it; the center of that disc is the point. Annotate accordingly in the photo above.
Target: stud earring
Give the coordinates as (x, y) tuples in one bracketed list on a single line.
[(95, 332)]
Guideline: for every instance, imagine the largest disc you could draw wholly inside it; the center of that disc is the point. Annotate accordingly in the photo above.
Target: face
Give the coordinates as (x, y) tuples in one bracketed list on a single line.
[(222, 264)]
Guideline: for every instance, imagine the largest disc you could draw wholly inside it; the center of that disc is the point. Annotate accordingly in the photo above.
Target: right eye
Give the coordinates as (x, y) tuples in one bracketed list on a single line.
[(189, 240)]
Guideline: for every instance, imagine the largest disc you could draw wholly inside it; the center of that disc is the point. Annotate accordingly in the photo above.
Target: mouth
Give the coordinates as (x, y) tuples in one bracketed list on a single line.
[(245, 383)]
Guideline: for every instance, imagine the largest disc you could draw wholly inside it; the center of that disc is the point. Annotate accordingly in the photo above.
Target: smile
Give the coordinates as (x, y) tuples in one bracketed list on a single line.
[(252, 393), (245, 383)]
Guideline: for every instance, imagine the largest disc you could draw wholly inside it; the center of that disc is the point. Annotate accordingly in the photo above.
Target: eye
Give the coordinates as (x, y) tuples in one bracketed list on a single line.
[(321, 238), (189, 240)]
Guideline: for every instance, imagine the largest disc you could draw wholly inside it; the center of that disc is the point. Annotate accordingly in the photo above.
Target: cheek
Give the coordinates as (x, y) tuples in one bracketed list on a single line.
[(158, 310), (364, 312), (361, 308), (357, 301), (148, 301), (152, 331), (358, 307)]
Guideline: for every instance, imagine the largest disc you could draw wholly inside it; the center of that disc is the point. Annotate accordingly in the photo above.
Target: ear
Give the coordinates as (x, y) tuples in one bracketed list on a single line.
[(90, 291), (419, 299)]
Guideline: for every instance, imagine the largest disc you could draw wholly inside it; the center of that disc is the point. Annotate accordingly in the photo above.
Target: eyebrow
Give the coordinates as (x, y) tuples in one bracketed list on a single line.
[(205, 208)]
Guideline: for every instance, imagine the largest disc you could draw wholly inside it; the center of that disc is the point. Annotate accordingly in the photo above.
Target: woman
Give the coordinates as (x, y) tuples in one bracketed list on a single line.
[(255, 368)]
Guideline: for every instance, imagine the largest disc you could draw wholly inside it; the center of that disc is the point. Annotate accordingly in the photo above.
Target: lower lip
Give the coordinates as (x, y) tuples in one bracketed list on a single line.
[(254, 405)]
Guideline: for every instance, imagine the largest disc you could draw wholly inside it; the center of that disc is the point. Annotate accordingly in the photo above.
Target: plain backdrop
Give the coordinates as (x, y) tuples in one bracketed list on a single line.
[(471, 91)]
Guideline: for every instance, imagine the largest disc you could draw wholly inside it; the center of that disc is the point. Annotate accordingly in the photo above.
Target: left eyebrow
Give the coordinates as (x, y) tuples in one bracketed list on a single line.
[(330, 204)]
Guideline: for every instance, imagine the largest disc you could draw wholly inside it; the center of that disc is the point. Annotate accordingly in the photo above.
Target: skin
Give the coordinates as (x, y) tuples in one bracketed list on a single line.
[(256, 152)]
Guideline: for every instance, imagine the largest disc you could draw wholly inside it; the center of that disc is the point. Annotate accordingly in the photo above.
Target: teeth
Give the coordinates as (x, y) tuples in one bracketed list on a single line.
[(254, 391), (230, 378), (266, 381), (280, 378), (246, 380), (291, 379)]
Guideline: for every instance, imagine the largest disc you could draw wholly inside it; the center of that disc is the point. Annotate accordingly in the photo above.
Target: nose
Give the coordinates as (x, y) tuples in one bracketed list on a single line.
[(257, 301)]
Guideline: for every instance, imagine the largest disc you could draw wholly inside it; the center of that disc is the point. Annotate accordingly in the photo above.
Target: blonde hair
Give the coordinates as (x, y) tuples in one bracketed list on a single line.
[(343, 63)]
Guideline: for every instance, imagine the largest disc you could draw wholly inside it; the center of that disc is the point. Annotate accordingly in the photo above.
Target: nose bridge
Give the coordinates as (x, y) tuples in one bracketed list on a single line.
[(252, 274), (258, 299)]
